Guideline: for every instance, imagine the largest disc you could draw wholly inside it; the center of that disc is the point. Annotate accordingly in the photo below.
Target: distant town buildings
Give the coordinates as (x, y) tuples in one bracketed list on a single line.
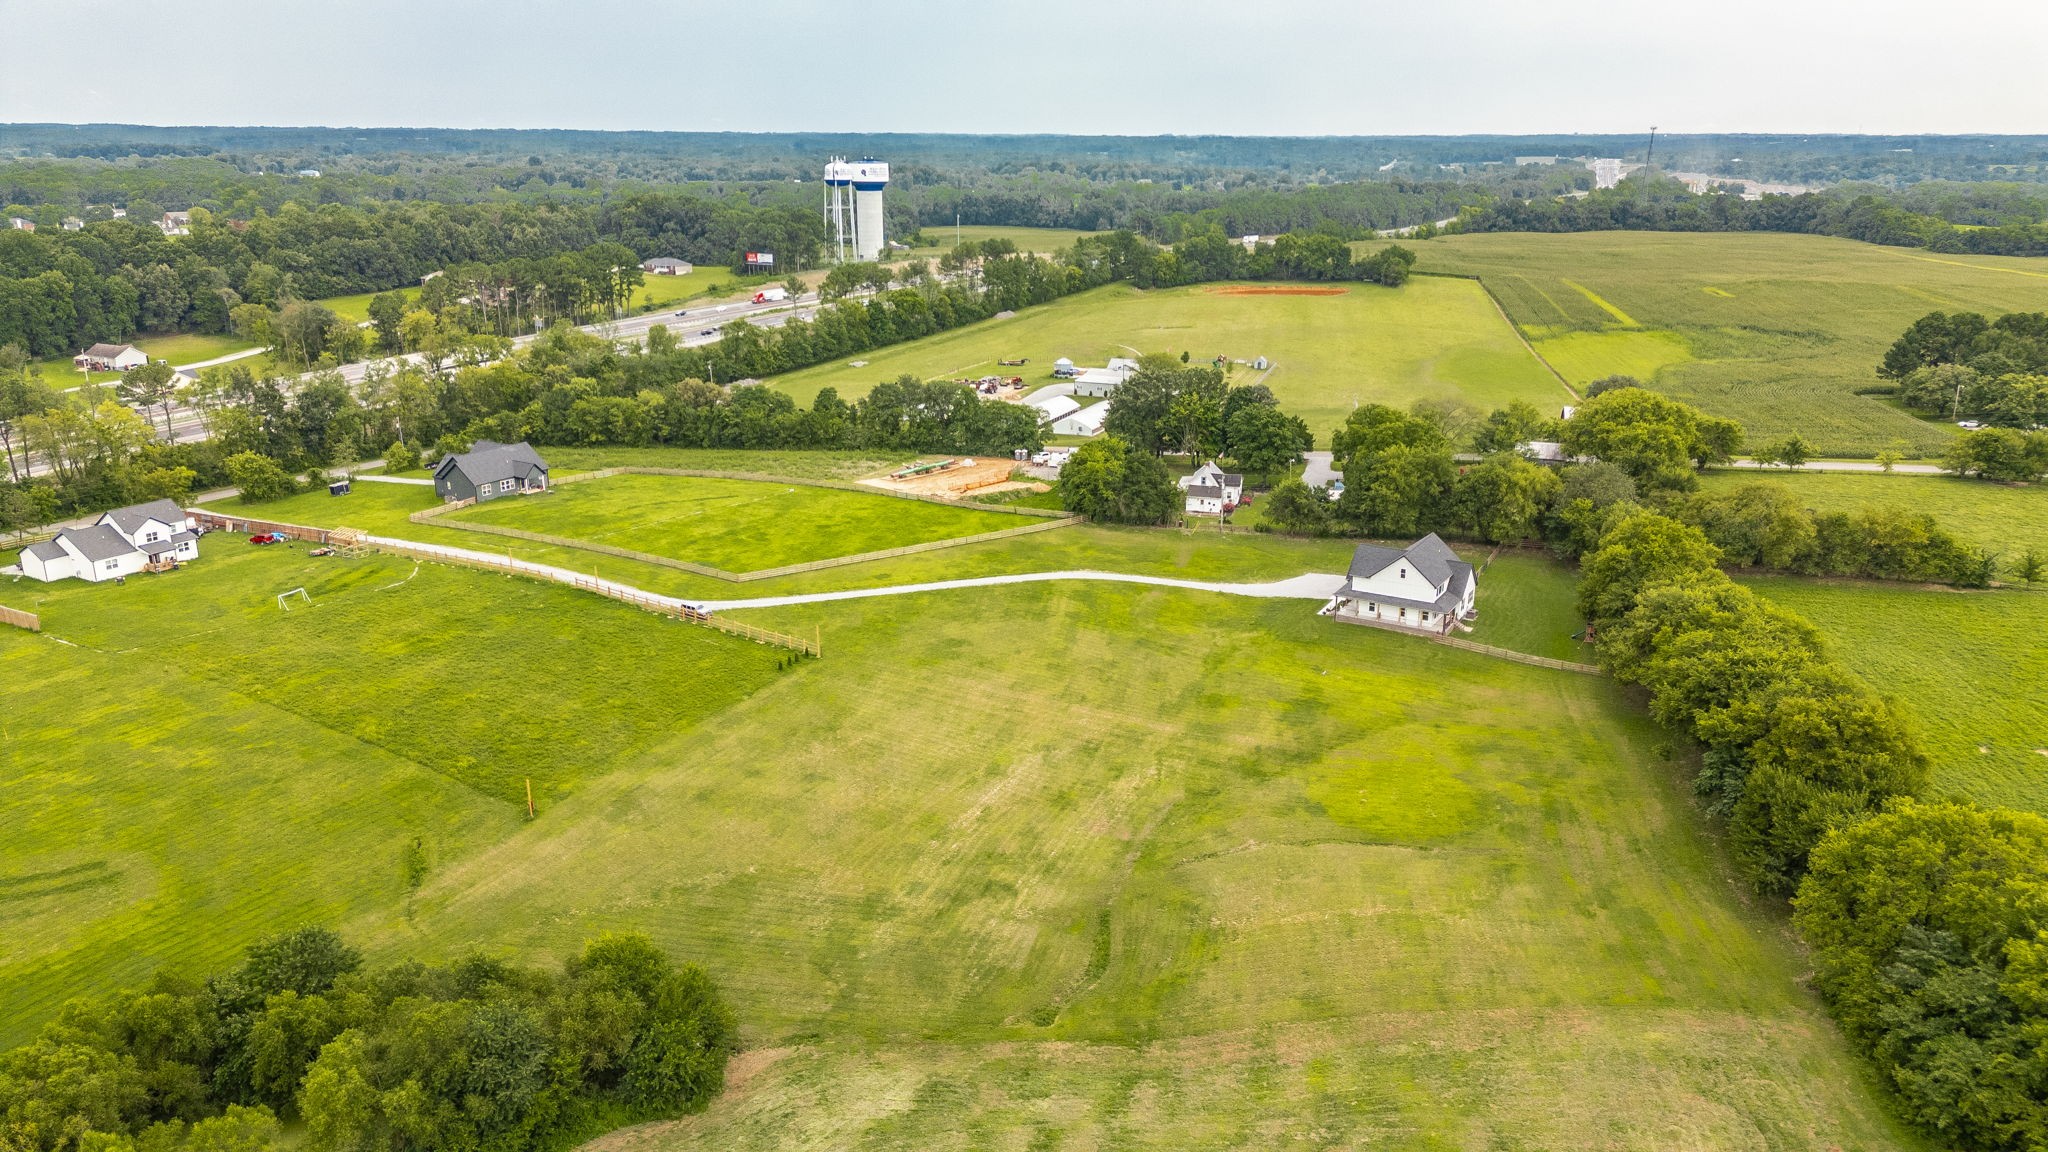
[(1525, 161), (1606, 172), (21, 224), (176, 224)]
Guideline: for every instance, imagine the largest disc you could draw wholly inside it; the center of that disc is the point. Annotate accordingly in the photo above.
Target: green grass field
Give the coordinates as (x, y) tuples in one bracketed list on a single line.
[(945, 236), (356, 309), (179, 348), (2001, 518), (1049, 865), (1776, 331), (1082, 866), (193, 767), (735, 525), (1433, 337), (1967, 665)]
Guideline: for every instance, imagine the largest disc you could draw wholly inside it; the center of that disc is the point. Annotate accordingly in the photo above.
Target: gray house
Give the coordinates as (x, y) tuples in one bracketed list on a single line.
[(490, 470)]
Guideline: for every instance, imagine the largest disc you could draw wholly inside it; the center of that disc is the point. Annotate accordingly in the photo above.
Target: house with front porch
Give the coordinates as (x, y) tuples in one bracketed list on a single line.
[(1423, 587), (150, 537)]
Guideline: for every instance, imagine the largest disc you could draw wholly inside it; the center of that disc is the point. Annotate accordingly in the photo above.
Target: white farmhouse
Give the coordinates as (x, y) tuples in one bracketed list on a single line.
[(142, 538), (1424, 587), (1209, 490), (1086, 422)]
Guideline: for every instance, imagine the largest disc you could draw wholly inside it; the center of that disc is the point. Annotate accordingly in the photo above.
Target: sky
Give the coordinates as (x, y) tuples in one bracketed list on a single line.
[(1237, 67)]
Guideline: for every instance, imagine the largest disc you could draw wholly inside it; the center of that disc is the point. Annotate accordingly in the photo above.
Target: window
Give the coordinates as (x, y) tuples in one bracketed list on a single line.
[(1404, 573), (1404, 613), (505, 485), (1425, 617), (1371, 607), (113, 564), (150, 538)]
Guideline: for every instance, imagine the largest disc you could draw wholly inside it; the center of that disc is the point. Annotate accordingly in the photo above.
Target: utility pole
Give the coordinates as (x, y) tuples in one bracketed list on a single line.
[(1652, 153)]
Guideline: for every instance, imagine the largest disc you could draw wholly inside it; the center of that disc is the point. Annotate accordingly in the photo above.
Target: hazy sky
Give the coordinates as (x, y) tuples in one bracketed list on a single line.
[(1079, 66)]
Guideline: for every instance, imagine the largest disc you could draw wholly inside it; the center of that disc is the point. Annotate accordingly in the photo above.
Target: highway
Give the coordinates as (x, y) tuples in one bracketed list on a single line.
[(694, 325)]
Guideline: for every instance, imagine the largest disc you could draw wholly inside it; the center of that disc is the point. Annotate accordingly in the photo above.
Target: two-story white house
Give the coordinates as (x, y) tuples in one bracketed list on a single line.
[(140, 538), (1209, 490), (1423, 586)]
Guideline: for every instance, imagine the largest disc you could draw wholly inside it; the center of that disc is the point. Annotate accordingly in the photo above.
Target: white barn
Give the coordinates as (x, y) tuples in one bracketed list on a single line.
[(142, 537), (1097, 381), (1086, 422), (1423, 587), (1051, 408)]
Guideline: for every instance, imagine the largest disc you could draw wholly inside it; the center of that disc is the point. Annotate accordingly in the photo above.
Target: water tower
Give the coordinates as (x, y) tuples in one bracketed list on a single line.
[(853, 207)]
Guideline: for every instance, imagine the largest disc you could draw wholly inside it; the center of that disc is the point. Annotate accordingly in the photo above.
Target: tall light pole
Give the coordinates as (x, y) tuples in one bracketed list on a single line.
[(1652, 153)]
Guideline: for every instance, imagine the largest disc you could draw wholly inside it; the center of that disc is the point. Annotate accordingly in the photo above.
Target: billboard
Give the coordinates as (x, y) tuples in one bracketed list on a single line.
[(761, 259)]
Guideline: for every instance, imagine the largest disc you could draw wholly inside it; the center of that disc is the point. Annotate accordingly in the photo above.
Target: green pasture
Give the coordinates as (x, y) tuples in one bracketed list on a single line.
[(1967, 666), (1777, 331), (179, 348), (192, 767), (735, 525), (1527, 603), (356, 309), (1432, 337), (1097, 866), (1052, 865), (2007, 519)]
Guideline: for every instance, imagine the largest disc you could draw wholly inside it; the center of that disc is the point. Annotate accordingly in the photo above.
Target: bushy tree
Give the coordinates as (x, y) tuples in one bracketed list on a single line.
[(1998, 454), (1399, 490), (1263, 440), (1652, 438), (1114, 482), (258, 477), (1503, 498), (1293, 506)]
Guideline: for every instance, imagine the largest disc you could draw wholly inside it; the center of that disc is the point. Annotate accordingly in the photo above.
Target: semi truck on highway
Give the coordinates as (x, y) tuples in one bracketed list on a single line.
[(771, 295)]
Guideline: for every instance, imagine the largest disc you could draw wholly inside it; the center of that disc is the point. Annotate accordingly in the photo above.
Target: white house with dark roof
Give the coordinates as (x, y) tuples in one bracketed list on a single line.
[(110, 358), (1209, 490), (667, 266), (140, 538), (1424, 587), (490, 470)]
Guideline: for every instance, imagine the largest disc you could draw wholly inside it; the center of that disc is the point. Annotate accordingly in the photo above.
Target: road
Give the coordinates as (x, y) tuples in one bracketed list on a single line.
[(694, 326)]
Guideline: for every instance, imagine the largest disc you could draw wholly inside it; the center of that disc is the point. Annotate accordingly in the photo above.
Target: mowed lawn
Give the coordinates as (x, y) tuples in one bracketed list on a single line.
[(1777, 331), (736, 525), (2007, 519), (1433, 337), (945, 236), (1967, 666), (1101, 866)]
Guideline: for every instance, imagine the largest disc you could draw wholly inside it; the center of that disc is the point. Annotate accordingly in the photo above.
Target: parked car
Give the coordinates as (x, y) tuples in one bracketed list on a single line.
[(1969, 423), (1336, 489), (266, 538)]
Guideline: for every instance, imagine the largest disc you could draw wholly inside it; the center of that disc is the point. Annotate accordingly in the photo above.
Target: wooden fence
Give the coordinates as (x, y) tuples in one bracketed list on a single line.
[(20, 619), (625, 594), (1047, 519), (216, 522), (1474, 646)]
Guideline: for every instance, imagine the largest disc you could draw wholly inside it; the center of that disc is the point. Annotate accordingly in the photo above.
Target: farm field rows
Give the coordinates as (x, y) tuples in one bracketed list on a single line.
[(1432, 337), (1967, 666), (1777, 331), (2000, 518), (735, 525)]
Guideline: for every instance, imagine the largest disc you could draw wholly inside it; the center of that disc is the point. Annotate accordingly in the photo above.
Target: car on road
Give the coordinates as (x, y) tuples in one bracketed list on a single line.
[(682, 313), (708, 332)]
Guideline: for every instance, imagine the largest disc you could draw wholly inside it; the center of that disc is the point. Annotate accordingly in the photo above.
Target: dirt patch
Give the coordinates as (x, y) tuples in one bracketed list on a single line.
[(959, 480), (1275, 290)]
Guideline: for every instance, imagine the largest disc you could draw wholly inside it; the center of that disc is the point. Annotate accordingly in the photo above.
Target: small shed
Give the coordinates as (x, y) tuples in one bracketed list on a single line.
[(338, 488), (1086, 422)]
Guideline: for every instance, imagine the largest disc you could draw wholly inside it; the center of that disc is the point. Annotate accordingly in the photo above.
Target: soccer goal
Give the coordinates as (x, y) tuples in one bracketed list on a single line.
[(283, 598)]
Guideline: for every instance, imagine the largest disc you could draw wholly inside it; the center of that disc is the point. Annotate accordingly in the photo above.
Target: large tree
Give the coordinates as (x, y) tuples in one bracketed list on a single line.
[(1115, 482)]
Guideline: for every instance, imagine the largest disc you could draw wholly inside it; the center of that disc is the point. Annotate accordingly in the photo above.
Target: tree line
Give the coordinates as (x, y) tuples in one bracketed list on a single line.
[(1928, 919), (1660, 204), (402, 1058), (1406, 473)]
